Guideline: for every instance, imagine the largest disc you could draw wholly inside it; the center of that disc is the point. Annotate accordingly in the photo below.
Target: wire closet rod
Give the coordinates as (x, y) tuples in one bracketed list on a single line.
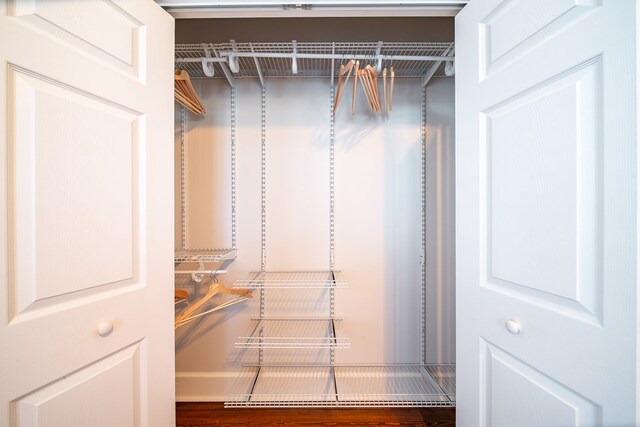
[(315, 56)]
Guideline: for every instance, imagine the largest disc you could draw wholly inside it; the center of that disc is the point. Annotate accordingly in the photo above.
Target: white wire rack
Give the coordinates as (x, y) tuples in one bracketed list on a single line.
[(291, 279), (343, 386), (204, 255), (296, 333), (445, 376), (308, 59)]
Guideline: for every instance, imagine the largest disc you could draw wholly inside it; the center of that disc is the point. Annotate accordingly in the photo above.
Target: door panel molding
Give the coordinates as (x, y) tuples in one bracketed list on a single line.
[(544, 202), (112, 35), (512, 382), (56, 186), (516, 27), (117, 378)]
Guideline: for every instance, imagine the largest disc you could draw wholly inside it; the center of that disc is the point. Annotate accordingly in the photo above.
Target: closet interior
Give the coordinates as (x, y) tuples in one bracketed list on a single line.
[(314, 212)]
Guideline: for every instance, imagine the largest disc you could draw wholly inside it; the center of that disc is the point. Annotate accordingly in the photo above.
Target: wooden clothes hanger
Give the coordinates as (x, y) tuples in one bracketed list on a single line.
[(369, 81), (343, 69), (384, 89), (373, 83), (215, 288), (180, 295), (185, 94), (355, 86)]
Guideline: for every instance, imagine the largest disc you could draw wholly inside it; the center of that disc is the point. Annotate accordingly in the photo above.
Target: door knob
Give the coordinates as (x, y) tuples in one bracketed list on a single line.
[(512, 326), (105, 328)]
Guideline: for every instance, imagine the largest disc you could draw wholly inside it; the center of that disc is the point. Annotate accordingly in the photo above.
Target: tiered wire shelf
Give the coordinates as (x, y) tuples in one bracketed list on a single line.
[(294, 333), (204, 255), (345, 386), (292, 280)]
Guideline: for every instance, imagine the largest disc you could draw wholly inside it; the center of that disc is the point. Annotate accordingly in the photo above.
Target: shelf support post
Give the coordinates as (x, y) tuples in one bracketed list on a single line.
[(294, 57), (207, 67), (183, 186), (379, 58), (225, 69), (432, 70), (333, 66), (234, 221), (258, 68), (423, 219)]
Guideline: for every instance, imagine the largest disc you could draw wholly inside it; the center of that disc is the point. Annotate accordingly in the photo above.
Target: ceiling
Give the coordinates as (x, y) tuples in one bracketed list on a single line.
[(198, 9)]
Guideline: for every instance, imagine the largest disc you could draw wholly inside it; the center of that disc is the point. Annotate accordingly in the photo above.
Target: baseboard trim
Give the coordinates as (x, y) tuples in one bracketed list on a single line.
[(204, 386)]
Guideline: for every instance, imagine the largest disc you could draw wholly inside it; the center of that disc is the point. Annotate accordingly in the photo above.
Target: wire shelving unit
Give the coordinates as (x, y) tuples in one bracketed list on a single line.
[(399, 385), (328, 384)]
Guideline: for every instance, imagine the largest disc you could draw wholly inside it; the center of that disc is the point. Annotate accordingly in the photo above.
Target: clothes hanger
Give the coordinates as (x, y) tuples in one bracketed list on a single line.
[(373, 80), (214, 289), (185, 94), (180, 296), (216, 308), (185, 85), (355, 86), (339, 86), (364, 81), (182, 99), (384, 89), (245, 295), (343, 69), (370, 83)]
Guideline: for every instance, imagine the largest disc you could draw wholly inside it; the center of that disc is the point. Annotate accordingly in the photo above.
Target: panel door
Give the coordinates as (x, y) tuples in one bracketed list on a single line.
[(546, 213), (86, 205)]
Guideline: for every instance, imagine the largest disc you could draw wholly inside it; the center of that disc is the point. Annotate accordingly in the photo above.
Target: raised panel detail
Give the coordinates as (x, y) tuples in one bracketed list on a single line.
[(100, 27), (544, 190), (104, 394), (73, 225), (516, 394), (517, 26)]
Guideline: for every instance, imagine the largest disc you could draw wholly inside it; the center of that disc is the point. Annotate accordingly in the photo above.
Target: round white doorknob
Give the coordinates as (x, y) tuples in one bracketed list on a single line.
[(105, 328), (512, 326)]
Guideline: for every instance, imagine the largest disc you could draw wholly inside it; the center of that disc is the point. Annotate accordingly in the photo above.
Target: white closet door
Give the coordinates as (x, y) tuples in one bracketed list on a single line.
[(546, 213), (86, 205)]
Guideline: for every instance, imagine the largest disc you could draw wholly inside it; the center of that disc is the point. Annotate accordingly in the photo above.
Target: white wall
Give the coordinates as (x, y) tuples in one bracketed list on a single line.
[(377, 219), (440, 221)]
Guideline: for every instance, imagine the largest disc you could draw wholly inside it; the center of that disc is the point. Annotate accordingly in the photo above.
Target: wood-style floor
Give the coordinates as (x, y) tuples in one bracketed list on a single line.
[(214, 414)]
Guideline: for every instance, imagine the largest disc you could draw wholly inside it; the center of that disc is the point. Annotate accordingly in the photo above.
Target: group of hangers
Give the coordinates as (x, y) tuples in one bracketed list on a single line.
[(185, 94), (368, 77), (215, 288)]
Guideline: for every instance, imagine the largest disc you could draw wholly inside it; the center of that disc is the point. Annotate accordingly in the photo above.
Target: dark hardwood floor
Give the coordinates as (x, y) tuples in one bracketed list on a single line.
[(204, 414)]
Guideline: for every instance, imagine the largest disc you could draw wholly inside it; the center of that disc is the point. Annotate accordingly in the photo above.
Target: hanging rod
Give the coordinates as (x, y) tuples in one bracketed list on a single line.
[(225, 55)]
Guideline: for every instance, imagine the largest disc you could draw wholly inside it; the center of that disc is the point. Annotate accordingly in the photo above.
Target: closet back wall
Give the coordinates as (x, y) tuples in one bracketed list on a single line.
[(378, 230)]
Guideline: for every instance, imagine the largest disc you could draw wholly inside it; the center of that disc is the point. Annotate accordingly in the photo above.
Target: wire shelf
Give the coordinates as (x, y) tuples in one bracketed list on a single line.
[(445, 376), (299, 333), (291, 279), (342, 386), (204, 255), (392, 54)]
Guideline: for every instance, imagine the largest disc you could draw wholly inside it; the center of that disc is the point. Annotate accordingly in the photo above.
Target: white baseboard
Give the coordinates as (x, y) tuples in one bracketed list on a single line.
[(204, 386)]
